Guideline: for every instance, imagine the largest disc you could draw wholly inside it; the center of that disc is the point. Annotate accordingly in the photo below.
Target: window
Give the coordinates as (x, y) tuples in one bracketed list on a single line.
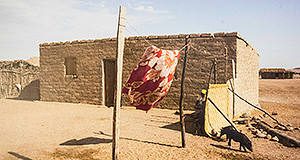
[(70, 63)]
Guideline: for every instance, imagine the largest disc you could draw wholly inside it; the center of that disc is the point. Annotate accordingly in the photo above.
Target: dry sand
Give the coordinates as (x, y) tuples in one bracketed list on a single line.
[(282, 97), (35, 130)]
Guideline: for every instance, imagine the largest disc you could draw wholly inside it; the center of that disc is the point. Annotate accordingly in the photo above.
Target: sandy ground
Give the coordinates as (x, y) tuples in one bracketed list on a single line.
[(282, 97), (35, 130)]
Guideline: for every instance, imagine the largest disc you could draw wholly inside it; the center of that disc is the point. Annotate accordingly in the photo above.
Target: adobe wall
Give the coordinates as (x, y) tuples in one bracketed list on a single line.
[(88, 87), (247, 76)]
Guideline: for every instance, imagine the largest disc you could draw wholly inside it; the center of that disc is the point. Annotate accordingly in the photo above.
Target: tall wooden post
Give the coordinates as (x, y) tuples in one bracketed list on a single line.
[(215, 71), (181, 95), (232, 86), (222, 114), (226, 59), (119, 67), (21, 70)]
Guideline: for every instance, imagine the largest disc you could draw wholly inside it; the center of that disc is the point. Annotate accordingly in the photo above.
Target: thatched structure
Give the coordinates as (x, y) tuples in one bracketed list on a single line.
[(15, 75)]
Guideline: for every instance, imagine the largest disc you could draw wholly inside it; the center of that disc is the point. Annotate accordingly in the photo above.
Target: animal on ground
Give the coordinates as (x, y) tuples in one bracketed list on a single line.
[(237, 136)]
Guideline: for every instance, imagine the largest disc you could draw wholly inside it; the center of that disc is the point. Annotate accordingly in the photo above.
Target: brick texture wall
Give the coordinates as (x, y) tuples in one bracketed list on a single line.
[(88, 86)]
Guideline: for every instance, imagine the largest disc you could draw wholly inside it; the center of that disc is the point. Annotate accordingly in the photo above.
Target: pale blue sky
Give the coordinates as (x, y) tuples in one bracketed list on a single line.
[(271, 26)]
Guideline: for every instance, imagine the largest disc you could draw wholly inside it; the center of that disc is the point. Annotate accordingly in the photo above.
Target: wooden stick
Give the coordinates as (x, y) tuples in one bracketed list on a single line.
[(222, 114), (226, 59), (181, 95), (21, 67), (283, 138), (119, 67), (233, 97), (257, 108), (209, 78), (215, 71), (206, 95)]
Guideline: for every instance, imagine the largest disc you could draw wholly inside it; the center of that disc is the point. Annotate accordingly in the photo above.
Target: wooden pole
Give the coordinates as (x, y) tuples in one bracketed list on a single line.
[(215, 71), (226, 59), (232, 85), (256, 107), (21, 67), (283, 138), (181, 95), (222, 114), (209, 78), (206, 95), (119, 67)]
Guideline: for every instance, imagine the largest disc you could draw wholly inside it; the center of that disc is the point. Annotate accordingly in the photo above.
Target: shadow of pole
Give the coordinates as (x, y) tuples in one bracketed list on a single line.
[(19, 156), (137, 140), (86, 141), (224, 147)]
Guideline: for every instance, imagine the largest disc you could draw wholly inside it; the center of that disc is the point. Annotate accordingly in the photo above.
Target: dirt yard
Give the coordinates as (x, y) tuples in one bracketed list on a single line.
[(35, 130)]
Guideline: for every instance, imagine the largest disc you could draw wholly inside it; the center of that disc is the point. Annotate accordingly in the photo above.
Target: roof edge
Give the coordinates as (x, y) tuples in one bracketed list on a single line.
[(151, 37)]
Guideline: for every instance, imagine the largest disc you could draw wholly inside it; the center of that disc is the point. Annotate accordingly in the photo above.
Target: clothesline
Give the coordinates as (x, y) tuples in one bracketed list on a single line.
[(146, 39), (138, 33), (189, 44), (184, 47)]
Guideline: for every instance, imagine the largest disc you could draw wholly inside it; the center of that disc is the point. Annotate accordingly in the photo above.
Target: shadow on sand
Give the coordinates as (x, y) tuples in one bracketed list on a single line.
[(86, 141), (190, 125), (137, 140), (228, 148), (19, 156), (16, 98)]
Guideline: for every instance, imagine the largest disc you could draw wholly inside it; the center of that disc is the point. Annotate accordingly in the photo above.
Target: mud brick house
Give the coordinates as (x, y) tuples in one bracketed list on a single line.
[(81, 71), (276, 73)]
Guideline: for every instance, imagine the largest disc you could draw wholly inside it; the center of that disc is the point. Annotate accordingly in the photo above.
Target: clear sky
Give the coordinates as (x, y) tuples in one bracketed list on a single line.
[(271, 26)]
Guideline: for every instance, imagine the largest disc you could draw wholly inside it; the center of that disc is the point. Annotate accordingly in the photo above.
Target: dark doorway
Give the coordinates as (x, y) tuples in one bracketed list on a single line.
[(109, 81)]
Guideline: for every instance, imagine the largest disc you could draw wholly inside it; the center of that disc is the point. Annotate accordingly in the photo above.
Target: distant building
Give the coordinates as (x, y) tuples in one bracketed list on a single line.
[(16, 75), (296, 71), (276, 73)]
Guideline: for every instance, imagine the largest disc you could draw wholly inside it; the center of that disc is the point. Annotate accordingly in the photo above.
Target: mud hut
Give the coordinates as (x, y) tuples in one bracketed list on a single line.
[(81, 71), (276, 73)]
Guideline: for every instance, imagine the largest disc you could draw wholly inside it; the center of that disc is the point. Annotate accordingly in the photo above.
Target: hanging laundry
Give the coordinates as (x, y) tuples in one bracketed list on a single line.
[(150, 82)]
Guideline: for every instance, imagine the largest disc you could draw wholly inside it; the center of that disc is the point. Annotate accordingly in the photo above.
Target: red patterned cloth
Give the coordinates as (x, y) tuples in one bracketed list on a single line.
[(150, 82)]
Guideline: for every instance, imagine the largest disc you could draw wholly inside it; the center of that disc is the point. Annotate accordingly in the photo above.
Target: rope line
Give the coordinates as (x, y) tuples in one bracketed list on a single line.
[(129, 31), (185, 46), (199, 50), (138, 33), (189, 44), (219, 58)]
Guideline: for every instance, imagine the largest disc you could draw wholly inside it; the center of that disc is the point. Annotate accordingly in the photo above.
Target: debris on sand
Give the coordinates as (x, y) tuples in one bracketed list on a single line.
[(275, 138)]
